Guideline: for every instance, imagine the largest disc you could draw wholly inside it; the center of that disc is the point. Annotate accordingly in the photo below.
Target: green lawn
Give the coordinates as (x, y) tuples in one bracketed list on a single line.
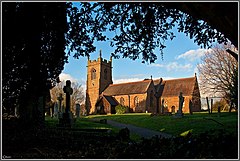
[(86, 123), (197, 123), (81, 123)]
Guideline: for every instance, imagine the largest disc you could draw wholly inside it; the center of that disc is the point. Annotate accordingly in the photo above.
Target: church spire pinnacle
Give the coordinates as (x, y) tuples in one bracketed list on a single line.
[(100, 53)]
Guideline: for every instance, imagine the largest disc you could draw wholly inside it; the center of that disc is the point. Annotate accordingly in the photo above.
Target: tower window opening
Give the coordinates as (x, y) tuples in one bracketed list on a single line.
[(93, 74)]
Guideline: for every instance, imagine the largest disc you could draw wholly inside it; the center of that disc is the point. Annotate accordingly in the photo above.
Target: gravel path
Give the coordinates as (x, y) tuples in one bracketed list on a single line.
[(144, 132)]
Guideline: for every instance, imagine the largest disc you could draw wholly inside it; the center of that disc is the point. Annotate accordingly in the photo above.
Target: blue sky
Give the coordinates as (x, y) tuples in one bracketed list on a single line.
[(180, 59)]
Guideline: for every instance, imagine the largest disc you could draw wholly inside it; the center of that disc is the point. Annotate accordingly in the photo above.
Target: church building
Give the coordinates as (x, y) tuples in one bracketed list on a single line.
[(148, 95)]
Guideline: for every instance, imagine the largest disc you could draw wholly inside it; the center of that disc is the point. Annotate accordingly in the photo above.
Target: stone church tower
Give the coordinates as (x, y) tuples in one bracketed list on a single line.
[(99, 76)]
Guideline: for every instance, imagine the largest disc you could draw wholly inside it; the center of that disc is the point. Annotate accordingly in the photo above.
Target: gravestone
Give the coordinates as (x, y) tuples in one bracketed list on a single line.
[(78, 110), (60, 98), (60, 110), (55, 109), (67, 120), (179, 111)]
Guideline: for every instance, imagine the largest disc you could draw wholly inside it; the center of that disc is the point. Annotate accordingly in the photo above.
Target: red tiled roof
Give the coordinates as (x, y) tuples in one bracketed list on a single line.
[(175, 86), (167, 88), (127, 88)]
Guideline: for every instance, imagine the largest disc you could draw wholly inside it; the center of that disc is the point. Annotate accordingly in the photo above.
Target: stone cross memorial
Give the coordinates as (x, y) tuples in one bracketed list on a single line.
[(68, 90), (66, 120), (181, 100), (179, 111)]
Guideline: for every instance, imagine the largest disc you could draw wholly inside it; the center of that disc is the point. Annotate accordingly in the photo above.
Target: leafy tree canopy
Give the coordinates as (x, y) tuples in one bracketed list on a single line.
[(138, 28)]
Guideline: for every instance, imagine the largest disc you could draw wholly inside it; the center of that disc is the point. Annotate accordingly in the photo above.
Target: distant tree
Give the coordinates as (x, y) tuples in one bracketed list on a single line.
[(76, 97), (218, 74), (222, 104), (233, 90)]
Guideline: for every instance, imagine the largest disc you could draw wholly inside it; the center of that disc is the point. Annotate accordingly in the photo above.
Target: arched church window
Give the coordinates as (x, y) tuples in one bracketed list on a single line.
[(93, 74), (122, 101), (151, 99), (136, 101), (105, 73)]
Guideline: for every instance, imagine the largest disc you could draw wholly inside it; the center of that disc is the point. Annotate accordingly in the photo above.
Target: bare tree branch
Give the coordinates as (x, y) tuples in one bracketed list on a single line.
[(217, 71)]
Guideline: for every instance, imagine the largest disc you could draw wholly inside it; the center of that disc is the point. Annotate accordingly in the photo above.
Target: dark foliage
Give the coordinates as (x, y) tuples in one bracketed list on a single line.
[(137, 28), (33, 50), (22, 143)]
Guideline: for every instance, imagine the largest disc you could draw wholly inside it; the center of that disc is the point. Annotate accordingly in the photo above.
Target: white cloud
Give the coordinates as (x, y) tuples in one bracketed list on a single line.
[(126, 80), (64, 77), (192, 55), (156, 65), (168, 78), (173, 66)]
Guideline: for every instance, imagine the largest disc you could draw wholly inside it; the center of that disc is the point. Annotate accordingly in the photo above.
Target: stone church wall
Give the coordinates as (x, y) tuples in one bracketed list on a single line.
[(141, 107), (107, 106), (174, 102)]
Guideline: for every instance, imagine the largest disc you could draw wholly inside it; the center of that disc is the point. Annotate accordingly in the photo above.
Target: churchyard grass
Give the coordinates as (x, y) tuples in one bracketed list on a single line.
[(197, 123), (85, 123), (81, 123)]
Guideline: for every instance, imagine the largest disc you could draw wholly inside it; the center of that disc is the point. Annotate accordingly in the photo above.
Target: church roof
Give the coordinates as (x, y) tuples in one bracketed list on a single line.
[(174, 86), (111, 100), (127, 88), (167, 88)]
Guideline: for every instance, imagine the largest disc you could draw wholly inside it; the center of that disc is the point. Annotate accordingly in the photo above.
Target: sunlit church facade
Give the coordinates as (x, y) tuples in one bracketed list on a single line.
[(148, 95)]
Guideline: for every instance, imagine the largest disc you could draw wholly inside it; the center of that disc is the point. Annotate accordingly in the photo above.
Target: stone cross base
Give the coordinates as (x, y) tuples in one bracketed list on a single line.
[(66, 120), (179, 114)]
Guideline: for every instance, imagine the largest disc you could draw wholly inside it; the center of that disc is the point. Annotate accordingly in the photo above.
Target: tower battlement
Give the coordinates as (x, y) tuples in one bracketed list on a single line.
[(101, 60)]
